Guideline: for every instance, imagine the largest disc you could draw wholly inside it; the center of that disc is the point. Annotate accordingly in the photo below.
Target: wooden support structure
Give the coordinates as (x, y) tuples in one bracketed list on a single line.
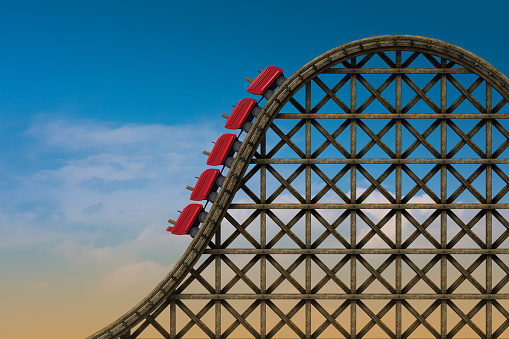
[(372, 187)]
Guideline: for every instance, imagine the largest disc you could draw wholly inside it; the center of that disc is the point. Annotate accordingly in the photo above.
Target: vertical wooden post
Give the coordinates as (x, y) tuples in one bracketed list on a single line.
[(353, 198), (443, 198), (489, 218), (398, 198), (173, 319), (217, 306), (308, 212), (263, 240)]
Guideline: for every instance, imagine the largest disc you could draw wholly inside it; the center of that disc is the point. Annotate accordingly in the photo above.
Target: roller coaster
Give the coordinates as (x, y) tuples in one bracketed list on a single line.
[(368, 198)]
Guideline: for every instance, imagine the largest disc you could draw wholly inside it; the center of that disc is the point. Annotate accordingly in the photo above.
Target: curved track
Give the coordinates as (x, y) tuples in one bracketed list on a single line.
[(145, 309)]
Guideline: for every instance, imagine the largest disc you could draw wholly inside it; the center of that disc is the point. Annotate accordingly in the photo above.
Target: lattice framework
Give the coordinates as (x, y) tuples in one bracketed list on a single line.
[(308, 316)]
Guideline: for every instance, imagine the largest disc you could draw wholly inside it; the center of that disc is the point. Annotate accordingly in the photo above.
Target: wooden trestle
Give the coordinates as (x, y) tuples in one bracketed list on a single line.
[(345, 181)]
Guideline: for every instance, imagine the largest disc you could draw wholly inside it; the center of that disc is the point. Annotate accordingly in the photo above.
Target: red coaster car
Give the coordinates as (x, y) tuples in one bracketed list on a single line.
[(243, 114), (267, 81), (208, 183), (188, 221), (223, 150)]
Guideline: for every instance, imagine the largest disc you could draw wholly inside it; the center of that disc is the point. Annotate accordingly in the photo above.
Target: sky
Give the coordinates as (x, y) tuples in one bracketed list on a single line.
[(105, 107)]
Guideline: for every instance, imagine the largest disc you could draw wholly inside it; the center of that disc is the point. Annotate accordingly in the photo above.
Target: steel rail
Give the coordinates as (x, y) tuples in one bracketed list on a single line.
[(164, 290)]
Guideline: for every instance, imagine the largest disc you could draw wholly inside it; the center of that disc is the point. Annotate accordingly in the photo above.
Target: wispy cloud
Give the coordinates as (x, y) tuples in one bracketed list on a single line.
[(107, 177), (93, 209), (87, 134), (150, 243), (97, 209), (131, 278)]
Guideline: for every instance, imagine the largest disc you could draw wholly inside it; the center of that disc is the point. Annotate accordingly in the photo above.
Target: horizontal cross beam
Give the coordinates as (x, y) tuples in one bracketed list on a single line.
[(313, 116), (337, 296), (369, 206), (346, 251), (388, 161), (397, 71)]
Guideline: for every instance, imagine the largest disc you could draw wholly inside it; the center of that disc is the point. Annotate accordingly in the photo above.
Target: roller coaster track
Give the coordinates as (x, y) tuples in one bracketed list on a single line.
[(441, 55)]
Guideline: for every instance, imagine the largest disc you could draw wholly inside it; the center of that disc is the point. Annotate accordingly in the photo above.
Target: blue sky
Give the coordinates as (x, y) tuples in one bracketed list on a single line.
[(105, 107), (151, 62)]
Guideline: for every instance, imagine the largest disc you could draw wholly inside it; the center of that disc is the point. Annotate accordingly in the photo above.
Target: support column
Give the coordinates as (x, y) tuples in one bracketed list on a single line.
[(173, 319), (263, 241), (308, 212), (489, 219), (353, 198), (217, 305), (398, 198), (443, 213)]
